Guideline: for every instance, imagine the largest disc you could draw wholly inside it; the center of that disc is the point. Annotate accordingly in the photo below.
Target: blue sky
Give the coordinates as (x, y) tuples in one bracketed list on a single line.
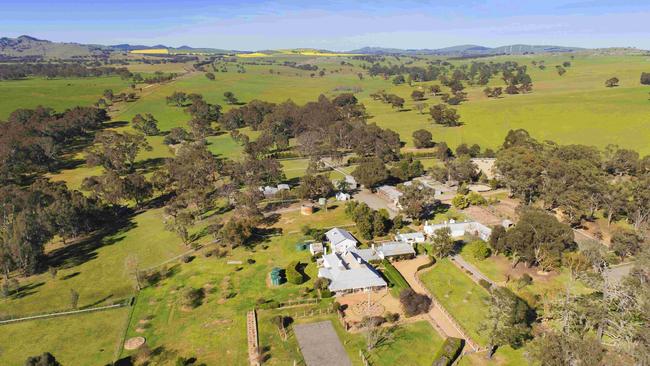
[(334, 25)]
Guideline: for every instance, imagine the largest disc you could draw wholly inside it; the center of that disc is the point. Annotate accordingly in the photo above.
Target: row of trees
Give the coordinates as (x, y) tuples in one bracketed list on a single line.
[(16, 71)]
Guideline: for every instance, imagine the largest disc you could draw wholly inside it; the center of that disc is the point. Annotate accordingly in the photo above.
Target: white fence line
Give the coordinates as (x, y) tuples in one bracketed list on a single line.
[(63, 313)]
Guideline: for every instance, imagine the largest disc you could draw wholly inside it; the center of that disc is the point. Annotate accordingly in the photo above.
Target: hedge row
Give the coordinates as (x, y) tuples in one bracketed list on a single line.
[(292, 274), (394, 277), (430, 263), (448, 352)]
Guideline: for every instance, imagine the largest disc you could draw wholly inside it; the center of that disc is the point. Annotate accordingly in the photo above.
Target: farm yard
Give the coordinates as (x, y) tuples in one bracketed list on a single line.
[(192, 288)]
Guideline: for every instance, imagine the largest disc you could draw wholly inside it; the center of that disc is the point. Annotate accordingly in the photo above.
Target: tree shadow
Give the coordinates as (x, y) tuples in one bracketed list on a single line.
[(271, 219), (114, 124), (66, 164), (86, 249), (301, 269), (261, 235), (26, 290), (149, 165), (71, 275), (97, 302)]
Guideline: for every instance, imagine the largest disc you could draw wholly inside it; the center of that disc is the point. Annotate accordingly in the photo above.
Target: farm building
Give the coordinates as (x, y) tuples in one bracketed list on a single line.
[(351, 182), (316, 248), (342, 196), (416, 237), (276, 276), (269, 191), (349, 272), (459, 229), (391, 194), (341, 240)]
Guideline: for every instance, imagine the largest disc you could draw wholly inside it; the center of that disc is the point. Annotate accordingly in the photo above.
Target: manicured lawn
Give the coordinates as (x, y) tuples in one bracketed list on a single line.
[(463, 298), (86, 339)]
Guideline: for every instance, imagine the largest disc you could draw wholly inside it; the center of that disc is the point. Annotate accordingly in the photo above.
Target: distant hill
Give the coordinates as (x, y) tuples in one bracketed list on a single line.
[(30, 47), (467, 50), (26, 46)]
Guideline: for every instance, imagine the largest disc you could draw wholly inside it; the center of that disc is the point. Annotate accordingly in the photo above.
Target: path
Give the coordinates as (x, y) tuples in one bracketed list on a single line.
[(437, 317), (476, 273), (253, 339)]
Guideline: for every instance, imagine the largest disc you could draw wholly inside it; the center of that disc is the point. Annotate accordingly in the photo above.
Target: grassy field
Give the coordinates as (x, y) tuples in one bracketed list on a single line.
[(58, 93), (88, 339), (95, 268)]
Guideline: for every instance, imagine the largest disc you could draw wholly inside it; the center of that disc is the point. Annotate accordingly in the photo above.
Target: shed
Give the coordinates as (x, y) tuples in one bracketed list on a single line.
[(316, 248), (342, 196), (276, 276), (416, 237)]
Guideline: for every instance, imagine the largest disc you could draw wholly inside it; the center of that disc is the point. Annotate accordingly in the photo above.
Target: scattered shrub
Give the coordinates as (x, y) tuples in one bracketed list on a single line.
[(476, 199), (336, 306), (460, 201), (414, 303), (485, 284), (524, 280), (192, 297), (391, 317), (372, 321)]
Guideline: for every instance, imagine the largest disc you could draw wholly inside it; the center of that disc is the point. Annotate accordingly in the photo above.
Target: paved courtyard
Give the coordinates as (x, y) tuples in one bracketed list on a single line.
[(320, 345)]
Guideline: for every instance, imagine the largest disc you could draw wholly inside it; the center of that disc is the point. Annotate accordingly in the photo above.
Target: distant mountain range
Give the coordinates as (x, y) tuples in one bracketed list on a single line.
[(26, 46), (467, 50)]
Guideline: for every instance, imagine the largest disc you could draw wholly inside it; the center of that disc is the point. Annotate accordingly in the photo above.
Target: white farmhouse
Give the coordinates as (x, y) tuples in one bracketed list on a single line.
[(459, 229), (349, 272), (416, 237), (341, 240)]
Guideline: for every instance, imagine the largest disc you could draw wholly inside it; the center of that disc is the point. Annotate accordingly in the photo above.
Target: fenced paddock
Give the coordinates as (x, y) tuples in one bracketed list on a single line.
[(320, 345)]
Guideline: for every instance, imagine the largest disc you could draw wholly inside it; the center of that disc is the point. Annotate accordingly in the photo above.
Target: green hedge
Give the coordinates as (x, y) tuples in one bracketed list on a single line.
[(292, 274), (448, 352), (396, 279), (431, 262)]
